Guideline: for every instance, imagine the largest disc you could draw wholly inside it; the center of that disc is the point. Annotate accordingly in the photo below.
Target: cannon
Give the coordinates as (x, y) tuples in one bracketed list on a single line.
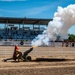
[(24, 56)]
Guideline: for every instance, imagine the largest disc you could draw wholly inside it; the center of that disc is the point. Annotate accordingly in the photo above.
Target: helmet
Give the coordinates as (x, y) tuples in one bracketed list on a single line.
[(17, 48)]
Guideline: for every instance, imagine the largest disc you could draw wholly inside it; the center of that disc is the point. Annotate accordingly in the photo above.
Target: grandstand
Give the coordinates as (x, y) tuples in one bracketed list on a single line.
[(21, 28)]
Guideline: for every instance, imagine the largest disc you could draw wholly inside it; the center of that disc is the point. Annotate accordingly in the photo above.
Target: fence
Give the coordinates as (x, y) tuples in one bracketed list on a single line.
[(28, 43), (7, 51)]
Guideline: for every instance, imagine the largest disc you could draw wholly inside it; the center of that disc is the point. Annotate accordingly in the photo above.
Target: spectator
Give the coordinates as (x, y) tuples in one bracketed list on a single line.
[(72, 44), (22, 42), (67, 43)]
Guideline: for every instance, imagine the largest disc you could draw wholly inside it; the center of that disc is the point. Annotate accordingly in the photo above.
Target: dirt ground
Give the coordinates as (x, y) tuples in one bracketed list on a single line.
[(45, 61)]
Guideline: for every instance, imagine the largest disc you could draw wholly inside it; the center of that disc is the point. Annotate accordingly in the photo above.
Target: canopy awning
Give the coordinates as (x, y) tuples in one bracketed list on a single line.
[(11, 20)]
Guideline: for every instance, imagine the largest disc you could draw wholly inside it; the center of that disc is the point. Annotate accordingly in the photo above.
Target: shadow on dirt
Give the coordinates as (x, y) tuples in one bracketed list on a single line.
[(46, 60), (49, 60)]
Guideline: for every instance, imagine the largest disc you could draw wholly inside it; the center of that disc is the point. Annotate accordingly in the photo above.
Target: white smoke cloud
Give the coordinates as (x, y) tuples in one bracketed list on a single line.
[(63, 19)]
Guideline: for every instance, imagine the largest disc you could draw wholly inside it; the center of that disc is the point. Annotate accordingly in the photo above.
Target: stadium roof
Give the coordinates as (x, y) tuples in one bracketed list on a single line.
[(11, 20)]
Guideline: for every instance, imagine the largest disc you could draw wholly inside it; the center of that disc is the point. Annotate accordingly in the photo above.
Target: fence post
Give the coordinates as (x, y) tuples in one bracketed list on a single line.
[(5, 51)]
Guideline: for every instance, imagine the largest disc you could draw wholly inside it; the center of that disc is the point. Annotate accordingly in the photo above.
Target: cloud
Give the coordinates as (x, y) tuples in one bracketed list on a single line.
[(37, 10), (30, 11), (9, 11), (41, 9), (33, 11), (12, 0)]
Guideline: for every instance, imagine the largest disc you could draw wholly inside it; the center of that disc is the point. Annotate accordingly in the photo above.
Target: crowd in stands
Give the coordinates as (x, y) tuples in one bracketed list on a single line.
[(27, 34), (18, 34)]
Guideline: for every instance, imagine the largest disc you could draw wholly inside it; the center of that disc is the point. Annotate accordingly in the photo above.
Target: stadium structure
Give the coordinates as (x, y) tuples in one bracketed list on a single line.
[(14, 29)]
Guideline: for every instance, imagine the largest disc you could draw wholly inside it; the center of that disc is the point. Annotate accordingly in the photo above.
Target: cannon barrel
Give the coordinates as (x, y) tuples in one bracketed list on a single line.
[(27, 52)]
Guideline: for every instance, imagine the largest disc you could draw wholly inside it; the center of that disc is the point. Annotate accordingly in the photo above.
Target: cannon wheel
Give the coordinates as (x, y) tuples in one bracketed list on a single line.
[(4, 60), (28, 58)]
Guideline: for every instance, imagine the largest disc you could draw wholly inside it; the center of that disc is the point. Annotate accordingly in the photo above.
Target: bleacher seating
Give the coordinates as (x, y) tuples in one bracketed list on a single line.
[(18, 34)]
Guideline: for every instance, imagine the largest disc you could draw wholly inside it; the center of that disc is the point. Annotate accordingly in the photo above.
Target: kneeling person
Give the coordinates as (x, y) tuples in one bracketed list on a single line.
[(18, 53)]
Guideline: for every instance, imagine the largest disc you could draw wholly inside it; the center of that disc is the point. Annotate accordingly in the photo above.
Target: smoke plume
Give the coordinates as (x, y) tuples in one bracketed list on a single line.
[(63, 19)]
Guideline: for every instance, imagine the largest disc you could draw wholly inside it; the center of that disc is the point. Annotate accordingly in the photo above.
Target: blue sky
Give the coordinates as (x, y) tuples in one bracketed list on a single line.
[(33, 8)]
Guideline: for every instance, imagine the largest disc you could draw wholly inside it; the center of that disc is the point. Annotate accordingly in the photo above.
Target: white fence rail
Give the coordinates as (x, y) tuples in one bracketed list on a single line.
[(7, 51)]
